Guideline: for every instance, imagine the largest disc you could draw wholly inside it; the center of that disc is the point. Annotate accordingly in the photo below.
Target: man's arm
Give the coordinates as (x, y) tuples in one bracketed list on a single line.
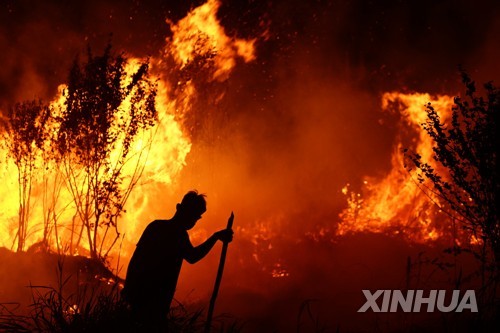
[(195, 254)]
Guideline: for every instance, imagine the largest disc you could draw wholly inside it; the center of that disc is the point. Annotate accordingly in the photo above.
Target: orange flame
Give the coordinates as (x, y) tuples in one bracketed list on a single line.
[(395, 204), (200, 33), (160, 152)]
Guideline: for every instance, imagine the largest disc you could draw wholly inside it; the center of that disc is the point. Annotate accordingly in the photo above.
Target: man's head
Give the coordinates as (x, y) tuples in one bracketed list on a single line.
[(192, 206)]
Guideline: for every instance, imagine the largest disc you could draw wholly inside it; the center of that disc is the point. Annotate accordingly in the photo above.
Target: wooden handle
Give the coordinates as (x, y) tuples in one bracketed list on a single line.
[(230, 221), (208, 324)]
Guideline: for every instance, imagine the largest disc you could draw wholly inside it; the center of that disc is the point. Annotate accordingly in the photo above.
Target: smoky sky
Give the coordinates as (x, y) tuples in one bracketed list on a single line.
[(310, 102), (305, 116), (381, 44)]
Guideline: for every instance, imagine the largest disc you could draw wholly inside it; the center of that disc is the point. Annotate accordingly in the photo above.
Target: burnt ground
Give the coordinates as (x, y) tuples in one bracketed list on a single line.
[(317, 286), (24, 274), (321, 283)]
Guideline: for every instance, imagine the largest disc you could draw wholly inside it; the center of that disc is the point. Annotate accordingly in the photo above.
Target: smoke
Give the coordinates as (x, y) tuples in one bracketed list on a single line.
[(297, 124), (39, 41), (419, 43), (304, 120)]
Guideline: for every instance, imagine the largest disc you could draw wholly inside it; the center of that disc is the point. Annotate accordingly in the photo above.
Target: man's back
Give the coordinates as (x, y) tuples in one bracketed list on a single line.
[(155, 265)]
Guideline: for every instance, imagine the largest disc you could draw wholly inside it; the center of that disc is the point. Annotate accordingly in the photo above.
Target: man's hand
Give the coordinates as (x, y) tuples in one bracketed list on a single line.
[(224, 235)]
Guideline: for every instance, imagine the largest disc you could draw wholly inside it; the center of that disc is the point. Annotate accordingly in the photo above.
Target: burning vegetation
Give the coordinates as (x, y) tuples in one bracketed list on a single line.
[(395, 203), (333, 181), (117, 122)]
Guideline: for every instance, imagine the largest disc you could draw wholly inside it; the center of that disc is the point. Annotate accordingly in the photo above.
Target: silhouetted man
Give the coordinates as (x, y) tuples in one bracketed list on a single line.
[(155, 265)]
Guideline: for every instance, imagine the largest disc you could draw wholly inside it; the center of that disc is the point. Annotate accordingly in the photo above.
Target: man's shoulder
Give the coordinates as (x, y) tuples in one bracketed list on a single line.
[(164, 225), (155, 231), (158, 224), (155, 227)]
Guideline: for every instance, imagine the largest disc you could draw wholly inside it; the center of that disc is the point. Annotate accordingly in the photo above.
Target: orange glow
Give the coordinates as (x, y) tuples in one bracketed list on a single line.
[(200, 33), (157, 155), (161, 150), (395, 204)]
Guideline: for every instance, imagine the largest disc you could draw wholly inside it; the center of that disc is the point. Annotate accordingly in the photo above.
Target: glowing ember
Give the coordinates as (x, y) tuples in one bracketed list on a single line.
[(279, 271), (395, 204), (72, 310)]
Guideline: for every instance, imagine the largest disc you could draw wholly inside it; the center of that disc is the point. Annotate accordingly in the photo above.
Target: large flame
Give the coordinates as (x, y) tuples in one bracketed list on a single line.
[(395, 204), (159, 153), (201, 33)]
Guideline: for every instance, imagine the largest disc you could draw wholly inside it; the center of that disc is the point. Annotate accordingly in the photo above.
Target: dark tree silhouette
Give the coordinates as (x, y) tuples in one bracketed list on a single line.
[(24, 139), (105, 108), (465, 177)]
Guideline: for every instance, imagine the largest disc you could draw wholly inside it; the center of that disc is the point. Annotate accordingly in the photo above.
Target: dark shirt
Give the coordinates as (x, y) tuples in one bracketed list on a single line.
[(155, 265)]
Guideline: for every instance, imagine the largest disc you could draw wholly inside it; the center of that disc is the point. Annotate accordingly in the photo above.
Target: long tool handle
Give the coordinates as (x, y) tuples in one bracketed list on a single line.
[(218, 279)]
